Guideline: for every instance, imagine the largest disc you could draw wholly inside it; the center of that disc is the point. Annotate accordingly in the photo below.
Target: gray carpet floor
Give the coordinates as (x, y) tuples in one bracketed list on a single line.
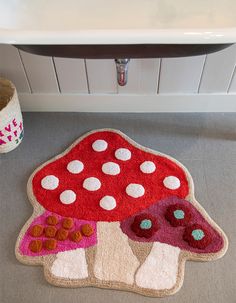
[(205, 143)]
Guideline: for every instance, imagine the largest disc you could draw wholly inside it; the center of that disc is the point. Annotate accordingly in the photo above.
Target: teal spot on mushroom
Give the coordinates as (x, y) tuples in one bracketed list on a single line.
[(198, 234), (179, 214), (146, 224)]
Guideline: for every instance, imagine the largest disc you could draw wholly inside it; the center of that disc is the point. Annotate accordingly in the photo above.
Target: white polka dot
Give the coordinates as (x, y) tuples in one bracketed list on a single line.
[(148, 167), (135, 190), (108, 203), (50, 182), (75, 167), (111, 168), (171, 182), (67, 196), (123, 154), (92, 184), (99, 145)]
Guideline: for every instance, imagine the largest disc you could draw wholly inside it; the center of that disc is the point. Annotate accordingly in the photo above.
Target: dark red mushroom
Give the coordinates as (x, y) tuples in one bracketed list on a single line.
[(194, 235)]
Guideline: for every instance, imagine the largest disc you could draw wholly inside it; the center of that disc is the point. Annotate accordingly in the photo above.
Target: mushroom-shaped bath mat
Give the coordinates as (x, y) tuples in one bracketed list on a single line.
[(111, 213)]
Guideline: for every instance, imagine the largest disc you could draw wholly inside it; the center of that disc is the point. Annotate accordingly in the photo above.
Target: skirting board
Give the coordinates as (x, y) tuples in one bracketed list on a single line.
[(128, 103)]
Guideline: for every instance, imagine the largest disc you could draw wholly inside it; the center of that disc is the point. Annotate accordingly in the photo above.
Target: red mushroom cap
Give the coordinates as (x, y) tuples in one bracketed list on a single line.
[(105, 176)]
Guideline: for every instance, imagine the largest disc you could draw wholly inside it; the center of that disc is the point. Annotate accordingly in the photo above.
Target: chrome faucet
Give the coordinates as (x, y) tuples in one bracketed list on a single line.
[(122, 71)]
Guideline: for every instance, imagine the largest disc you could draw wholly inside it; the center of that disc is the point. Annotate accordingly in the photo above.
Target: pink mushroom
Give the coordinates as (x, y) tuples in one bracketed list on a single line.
[(133, 219)]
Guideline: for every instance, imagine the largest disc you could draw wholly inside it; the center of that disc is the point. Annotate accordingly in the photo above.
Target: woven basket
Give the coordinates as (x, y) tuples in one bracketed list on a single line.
[(11, 123)]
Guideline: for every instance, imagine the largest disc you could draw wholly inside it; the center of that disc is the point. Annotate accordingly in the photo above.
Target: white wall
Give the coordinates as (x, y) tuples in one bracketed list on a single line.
[(202, 83)]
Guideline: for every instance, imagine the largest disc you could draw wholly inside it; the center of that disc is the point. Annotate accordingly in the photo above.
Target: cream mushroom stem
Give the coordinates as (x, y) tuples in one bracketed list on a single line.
[(70, 265), (160, 269), (114, 260)]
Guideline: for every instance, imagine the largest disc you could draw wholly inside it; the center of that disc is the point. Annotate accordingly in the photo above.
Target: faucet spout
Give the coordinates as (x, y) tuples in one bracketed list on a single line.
[(122, 71)]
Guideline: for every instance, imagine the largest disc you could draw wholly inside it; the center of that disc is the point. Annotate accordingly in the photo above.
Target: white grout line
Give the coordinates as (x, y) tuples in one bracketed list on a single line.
[(24, 71), (231, 80), (87, 78), (159, 76), (56, 75), (203, 69)]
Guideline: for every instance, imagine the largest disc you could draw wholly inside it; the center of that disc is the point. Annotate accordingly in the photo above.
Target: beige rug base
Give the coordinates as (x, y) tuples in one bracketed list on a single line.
[(47, 261)]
